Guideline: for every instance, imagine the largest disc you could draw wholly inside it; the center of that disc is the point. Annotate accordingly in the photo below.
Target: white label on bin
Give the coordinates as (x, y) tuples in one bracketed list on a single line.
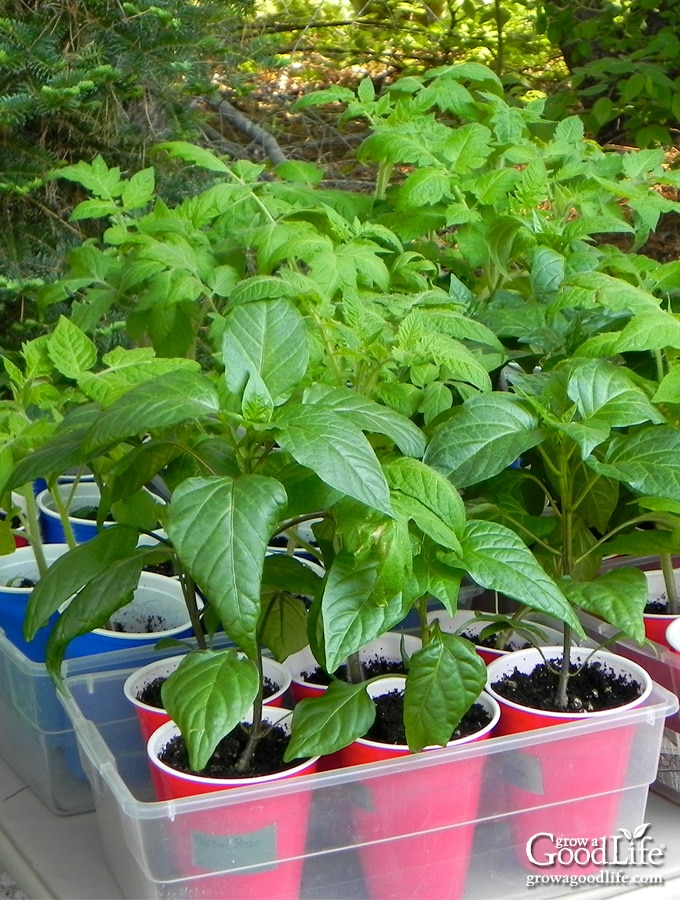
[(218, 852), (524, 771)]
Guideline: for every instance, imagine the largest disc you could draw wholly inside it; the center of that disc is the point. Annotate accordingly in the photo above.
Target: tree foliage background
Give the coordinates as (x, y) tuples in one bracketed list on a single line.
[(105, 77)]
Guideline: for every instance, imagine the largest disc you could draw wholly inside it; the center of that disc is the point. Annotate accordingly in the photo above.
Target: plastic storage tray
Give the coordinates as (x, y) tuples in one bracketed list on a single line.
[(37, 737), (153, 847), (664, 667)]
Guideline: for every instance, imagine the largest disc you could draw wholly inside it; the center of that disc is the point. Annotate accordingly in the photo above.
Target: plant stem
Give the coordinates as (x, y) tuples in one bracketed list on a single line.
[(354, 669), (255, 732), (63, 510), (671, 586), (33, 530), (561, 697)]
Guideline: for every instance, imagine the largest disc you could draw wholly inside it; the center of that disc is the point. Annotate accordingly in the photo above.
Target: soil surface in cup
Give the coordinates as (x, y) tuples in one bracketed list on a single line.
[(657, 607), (371, 668), (491, 642), (592, 688), (388, 727), (89, 513), (162, 568), (151, 692), (150, 625), (267, 758)]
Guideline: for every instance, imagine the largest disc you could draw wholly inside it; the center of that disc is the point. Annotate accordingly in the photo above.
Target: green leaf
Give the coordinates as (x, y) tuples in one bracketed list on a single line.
[(284, 624), (220, 528), (444, 679), (260, 287), (75, 569), (322, 725), (615, 293), (424, 187), (618, 596), (669, 388), (336, 450), (547, 271), (604, 391), (468, 147), (127, 368), (651, 330), (139, 190), (58, 453), (349, 619), (267, 340), (194, 154), (71, 351), (208, 695), (648, 461), (369, 416), (96, 177), (93, 605), (498, 560), (429, 499), (164, 401), (300, 172), (486, 435)]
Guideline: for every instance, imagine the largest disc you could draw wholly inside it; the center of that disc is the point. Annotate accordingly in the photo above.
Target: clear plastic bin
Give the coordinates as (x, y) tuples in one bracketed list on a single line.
[(664, 667), (37, 737), (178, 849)]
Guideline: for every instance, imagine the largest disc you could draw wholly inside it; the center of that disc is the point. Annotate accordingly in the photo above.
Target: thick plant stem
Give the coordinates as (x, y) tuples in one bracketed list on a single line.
[(671, 586), (255, 732), (354, 668), (33, 532), (561, 698)]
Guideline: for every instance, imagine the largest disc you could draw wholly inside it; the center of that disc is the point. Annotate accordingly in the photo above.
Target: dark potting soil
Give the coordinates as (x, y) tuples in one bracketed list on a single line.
[(593, 688), (89, 513), (267, 758), (151, 625), (151, 692), (658, 607), (25, 583), (490, 642), (162, 568), (388, 727), (371, 669)]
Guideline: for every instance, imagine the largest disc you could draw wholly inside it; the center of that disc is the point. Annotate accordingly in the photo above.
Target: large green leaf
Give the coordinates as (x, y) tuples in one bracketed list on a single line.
[(70, 349), (322, 725), (349, 619), (488, 433), (604, 392), (498, 560), (648, 461), (159, 403), (618, 596), (429, 499), (73, 570), (208, 695), (369, 416), (336, 450), (220, 528), (669, 387), (443, 680), (94, 604), (268, 339), (286, 581)]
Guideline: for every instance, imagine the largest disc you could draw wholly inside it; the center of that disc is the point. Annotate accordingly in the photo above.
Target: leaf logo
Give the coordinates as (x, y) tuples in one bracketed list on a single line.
[(637, 834)]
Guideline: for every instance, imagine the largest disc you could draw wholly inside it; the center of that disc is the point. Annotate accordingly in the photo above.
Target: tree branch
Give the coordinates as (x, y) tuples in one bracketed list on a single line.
[(242, 123)]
